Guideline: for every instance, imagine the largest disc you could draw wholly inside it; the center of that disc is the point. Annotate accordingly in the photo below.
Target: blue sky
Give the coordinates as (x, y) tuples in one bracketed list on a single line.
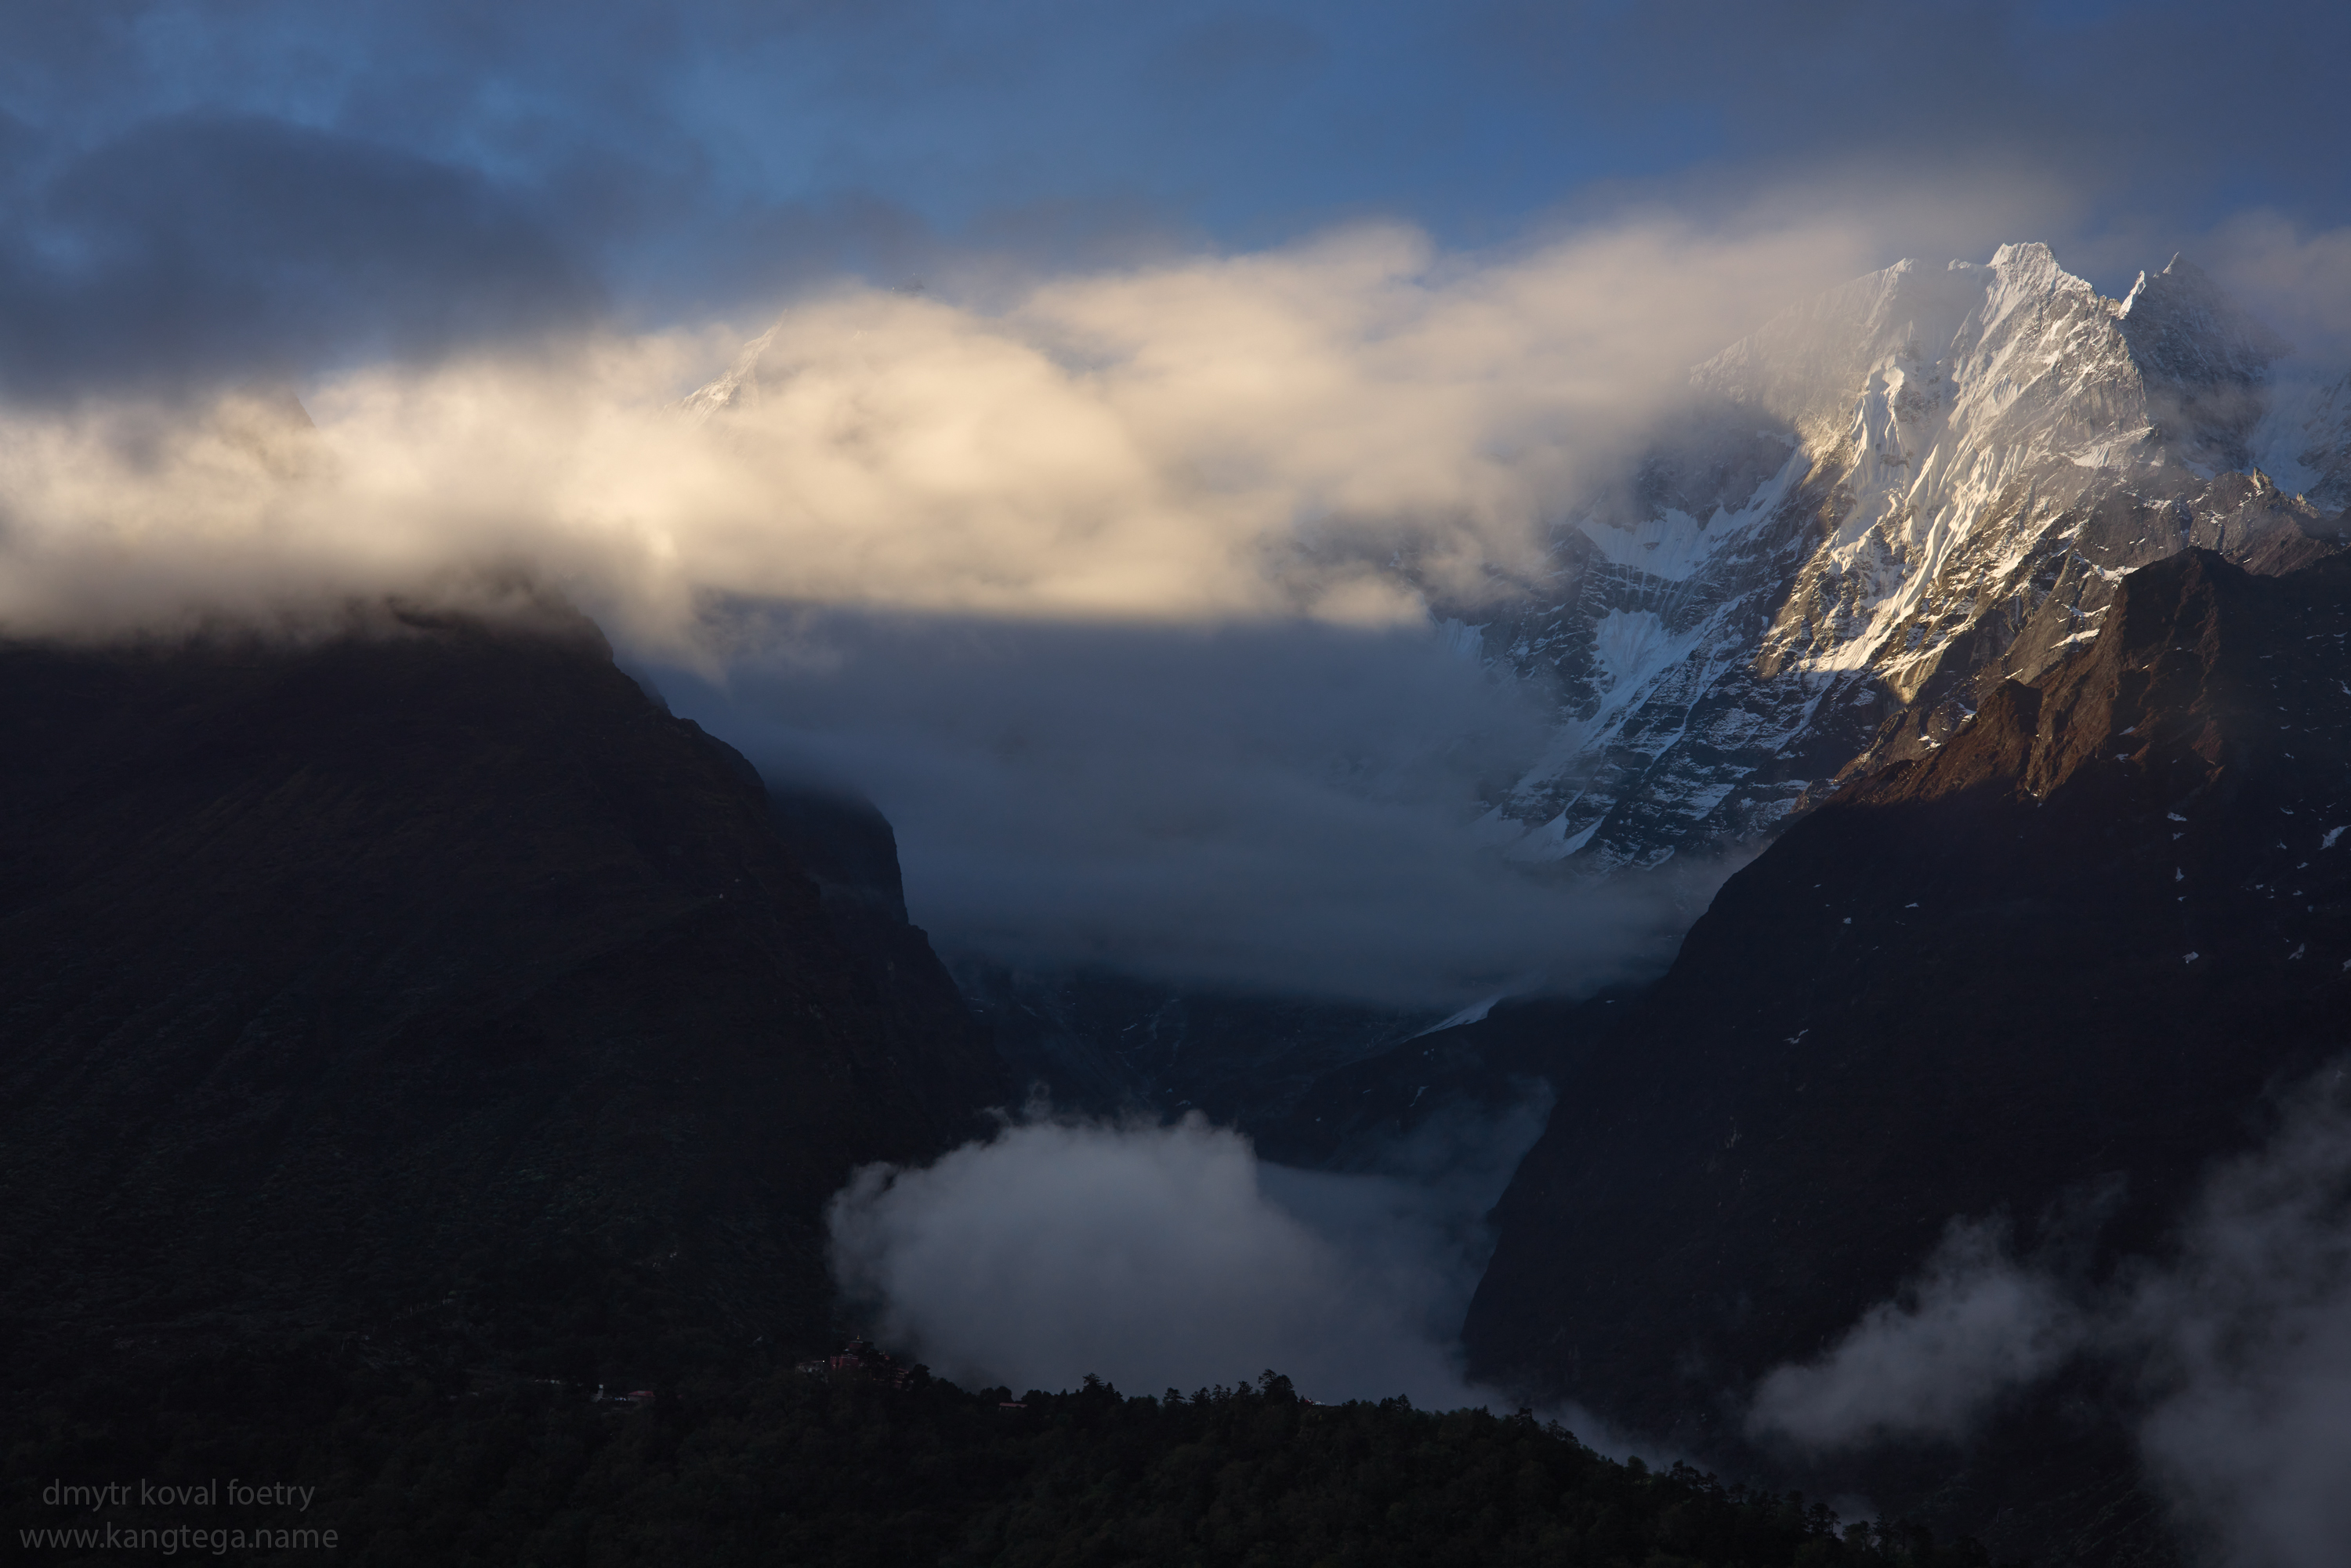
[(190, 185)]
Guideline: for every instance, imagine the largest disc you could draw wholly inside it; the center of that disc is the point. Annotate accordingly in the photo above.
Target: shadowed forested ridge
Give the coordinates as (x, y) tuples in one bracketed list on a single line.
[(855, 1468), (419, 983)]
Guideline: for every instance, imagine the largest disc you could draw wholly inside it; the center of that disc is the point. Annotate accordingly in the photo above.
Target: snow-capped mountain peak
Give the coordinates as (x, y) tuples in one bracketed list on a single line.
[(1890, 495)]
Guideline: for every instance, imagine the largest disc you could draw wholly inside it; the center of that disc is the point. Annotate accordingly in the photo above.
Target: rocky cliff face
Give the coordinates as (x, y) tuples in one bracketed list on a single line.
[(1885, 503), (2062, 955), (428, 985)]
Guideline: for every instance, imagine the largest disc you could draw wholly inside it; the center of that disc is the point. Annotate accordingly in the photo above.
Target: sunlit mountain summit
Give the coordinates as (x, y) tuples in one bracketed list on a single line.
[(1873, 510)]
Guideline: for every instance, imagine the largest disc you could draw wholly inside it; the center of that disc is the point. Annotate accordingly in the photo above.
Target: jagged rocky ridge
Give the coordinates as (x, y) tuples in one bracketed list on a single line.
[(1888, 501), (2046, 972)]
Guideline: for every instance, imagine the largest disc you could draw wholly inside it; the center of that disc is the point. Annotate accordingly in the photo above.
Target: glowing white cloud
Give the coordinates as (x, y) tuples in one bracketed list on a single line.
[(1318, 431)]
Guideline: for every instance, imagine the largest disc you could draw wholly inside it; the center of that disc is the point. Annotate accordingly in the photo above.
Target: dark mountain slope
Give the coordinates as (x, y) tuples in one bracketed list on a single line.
[(1106, 1043), (2063, 955), (1476, 1073), (428, 983)]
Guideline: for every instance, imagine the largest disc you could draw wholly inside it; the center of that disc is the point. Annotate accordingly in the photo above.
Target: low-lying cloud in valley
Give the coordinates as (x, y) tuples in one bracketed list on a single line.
[(1286, 806), (1171, 1256)]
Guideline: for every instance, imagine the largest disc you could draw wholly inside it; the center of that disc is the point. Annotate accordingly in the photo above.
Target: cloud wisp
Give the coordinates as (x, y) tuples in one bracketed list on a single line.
[(2250, 1430), (2239, 1344), (1976, 1325)]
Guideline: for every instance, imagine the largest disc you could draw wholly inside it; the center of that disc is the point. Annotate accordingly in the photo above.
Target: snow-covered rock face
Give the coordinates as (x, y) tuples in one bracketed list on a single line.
[(1916, 483)]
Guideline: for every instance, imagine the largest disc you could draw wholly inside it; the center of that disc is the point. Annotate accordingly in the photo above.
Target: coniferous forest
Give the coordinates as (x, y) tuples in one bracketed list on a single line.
[(890, 1466)]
